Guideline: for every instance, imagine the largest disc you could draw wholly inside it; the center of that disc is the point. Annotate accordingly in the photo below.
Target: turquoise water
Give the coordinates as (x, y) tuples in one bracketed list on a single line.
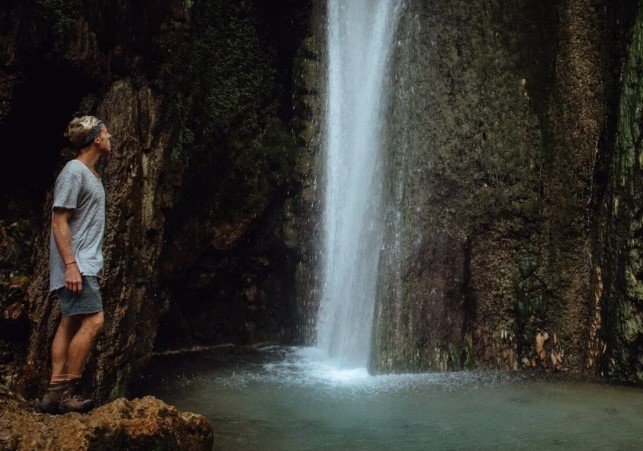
[(286, 399)]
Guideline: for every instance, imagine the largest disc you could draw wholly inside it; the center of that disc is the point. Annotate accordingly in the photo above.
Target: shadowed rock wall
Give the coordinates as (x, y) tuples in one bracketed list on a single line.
[(240, 232), (204, 185), (619, 268), (131, 94)]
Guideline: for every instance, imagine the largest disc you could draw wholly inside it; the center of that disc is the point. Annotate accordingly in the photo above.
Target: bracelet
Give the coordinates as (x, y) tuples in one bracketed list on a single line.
[(70, 263)]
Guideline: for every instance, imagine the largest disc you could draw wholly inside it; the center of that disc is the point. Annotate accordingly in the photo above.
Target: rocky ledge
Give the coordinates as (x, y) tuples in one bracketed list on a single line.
[(144, 423)]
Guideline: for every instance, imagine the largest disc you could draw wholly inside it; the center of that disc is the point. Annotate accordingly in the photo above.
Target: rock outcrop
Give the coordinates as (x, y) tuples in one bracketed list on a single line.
[(142, 423)]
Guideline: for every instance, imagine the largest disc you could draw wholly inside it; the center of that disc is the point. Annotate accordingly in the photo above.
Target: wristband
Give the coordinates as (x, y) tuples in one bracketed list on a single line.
[(70, 263)]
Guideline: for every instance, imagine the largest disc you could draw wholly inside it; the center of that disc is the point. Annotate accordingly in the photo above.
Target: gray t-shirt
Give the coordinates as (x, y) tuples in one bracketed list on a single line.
[(79, 189)]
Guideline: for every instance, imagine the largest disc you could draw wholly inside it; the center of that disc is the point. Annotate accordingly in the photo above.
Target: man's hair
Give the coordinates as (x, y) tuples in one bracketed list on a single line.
[(81, 131)]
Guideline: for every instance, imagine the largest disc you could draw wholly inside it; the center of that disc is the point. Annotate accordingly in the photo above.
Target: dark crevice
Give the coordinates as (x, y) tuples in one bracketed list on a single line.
[(32, 136)]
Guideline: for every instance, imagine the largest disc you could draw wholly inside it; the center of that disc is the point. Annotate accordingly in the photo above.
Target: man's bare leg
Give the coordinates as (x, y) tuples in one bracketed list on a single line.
[(71, 399), (67, 329), (82, 342), (60, 347)]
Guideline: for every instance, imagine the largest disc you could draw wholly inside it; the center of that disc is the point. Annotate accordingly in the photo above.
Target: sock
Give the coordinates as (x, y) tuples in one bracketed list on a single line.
[(57, 386), (58, 381)]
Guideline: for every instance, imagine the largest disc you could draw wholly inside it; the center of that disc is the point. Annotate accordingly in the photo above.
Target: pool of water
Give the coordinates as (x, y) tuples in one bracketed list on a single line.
[(287, 398)]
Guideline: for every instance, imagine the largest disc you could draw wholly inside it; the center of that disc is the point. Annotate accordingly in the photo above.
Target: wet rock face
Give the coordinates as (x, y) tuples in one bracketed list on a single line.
[(145, 423), (496, 129), (16, 238), (619, 268), (465, 172)]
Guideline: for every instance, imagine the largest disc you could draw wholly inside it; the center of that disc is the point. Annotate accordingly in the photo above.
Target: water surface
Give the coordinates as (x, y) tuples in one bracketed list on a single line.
[(287, 399)]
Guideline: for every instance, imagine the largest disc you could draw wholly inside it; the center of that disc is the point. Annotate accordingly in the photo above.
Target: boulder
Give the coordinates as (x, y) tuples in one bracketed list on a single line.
[(142, 423)]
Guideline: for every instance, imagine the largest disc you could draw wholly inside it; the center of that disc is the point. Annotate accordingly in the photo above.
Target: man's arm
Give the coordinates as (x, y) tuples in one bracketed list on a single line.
[(62, 235)]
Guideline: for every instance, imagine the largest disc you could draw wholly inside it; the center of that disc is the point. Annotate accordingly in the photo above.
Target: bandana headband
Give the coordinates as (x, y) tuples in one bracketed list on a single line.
[(92, 136)]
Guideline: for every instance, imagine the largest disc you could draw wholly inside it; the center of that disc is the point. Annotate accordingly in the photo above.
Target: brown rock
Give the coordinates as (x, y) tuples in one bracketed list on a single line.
[(145, 423)]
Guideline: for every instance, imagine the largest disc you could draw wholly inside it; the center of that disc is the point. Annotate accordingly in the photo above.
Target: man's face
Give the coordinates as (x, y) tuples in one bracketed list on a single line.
[(104, 142)]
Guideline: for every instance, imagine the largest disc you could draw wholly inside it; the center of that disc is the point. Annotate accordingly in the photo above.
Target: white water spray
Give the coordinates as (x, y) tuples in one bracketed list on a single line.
[(360, 38)]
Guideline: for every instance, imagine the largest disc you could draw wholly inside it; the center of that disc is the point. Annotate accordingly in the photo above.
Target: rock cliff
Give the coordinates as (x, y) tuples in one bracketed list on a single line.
[(513, 185), (507, 143)]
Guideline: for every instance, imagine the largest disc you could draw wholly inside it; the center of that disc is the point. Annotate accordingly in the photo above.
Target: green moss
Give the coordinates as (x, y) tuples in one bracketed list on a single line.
[(531, 306), (238, 148), (61, 16), (623, 300), (468, 359)]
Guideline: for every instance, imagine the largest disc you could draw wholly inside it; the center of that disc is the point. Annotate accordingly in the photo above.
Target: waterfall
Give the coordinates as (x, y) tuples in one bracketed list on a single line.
[(360, 39)]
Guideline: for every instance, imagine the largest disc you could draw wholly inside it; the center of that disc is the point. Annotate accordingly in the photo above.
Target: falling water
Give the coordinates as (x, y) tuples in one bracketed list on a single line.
[(360, 38)]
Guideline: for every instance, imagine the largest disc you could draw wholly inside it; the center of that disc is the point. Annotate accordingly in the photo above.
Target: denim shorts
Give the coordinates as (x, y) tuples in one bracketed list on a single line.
[(88, 301)]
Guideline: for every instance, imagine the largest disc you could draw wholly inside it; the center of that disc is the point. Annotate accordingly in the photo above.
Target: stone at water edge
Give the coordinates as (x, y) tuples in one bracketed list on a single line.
[(144, 423)]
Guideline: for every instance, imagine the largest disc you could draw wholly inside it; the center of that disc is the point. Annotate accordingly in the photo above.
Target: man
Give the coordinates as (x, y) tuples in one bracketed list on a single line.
[(76, 263)]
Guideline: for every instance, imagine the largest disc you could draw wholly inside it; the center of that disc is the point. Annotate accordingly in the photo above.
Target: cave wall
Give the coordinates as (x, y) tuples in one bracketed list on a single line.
[(466, 161), (514, 157), (122, 57), (619, 262), (496, 131), (209, 176), (240, 230)]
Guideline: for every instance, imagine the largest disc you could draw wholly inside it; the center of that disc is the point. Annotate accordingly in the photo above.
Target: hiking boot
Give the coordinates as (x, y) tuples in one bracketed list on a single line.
[(72, 400), (51, 399)]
